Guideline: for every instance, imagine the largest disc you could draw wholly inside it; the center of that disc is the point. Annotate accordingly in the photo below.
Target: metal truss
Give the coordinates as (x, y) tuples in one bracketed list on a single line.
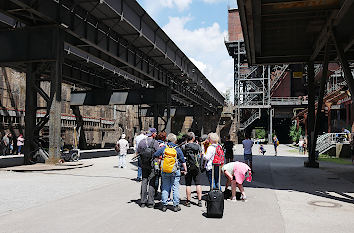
[(121, 35)]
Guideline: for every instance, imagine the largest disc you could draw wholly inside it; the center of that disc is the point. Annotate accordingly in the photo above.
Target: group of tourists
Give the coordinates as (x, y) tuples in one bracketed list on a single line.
[(11, 145), (162, 161)]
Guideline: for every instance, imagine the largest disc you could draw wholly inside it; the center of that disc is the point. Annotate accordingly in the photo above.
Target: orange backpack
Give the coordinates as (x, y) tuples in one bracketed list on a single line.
[(169, 160)]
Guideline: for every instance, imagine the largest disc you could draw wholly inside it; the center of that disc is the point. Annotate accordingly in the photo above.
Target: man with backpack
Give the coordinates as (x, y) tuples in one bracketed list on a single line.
[(172, 160), (146, 148), (192, 153)]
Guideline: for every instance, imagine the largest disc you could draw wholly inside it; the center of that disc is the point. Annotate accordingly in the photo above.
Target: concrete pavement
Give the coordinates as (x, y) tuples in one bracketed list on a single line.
[(284, 197)]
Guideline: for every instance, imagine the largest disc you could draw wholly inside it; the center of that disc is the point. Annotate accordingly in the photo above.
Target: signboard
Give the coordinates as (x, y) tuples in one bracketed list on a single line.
[(297, 74)]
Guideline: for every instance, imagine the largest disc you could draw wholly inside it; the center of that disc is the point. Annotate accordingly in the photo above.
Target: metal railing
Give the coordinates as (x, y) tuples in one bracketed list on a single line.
[(250, 120), (329, 140), (277, 78), (288, 101)]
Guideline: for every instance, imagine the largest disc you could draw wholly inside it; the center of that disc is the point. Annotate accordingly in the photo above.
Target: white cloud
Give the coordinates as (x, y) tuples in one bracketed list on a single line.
[(206, 49), (153, 7)]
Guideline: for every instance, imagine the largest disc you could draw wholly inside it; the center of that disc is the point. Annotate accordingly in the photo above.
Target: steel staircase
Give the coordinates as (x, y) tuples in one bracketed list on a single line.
[(278, 77), (255, 116), (328, 141)]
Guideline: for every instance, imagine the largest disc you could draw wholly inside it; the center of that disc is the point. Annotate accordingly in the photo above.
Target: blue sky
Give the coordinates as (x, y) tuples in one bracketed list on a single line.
[(198, 27)]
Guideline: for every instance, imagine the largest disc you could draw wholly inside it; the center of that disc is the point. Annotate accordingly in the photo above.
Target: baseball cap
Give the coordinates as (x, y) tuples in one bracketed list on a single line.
[(151, 131)]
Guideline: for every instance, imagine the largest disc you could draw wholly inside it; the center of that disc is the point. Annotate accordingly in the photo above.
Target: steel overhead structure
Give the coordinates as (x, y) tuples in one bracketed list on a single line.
[(301, 31), (122, 34), (109, 45)]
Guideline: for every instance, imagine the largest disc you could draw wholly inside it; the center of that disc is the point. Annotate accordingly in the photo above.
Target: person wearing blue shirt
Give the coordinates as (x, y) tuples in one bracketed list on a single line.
[(247, 146), (171, 180)]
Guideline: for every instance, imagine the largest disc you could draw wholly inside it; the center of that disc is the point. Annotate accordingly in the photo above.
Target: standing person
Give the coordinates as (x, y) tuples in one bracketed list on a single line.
[(229, 153), (172, 160), (20, 143), (192, 154), (11, 144), (123, 145), (137, 140), (213, 139), (247, 150), (301, 145), (236, 173), (276, 144), (146, 149), (5, 142)]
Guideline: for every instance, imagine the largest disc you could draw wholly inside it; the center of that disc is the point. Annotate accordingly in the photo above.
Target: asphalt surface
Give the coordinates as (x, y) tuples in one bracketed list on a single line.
[(283, 197)]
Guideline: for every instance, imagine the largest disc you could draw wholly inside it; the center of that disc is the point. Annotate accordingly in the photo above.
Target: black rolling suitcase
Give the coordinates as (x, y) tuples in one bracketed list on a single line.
[(215, 199)]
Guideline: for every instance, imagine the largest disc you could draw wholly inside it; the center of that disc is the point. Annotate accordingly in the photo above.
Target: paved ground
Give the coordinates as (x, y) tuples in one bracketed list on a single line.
[(284, 197)]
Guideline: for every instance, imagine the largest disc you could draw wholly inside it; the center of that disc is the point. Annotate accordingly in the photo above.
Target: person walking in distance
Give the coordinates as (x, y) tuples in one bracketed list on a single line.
[(123, 149), (192, 153), (5, 143), (247, 150), (172, 160), (146, 149), (137, 140), (276, 144), (20, 143), (228, 146)]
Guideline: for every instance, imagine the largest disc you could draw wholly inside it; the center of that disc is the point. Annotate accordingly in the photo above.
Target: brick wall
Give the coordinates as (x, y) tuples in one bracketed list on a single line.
[(234, 25)]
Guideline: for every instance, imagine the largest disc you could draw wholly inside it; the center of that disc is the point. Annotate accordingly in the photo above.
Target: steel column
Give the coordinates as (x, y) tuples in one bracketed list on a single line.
[(55, 108), (312, 154), (311, 114), (31, 109), (156, 117), (270, 136)]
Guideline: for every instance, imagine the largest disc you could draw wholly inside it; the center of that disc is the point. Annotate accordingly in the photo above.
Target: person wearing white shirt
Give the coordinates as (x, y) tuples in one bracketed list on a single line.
[(213, 138), (123, 149), (137, 139)]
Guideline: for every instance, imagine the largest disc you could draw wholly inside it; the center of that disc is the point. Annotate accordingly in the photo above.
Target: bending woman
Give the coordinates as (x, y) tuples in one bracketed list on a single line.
[(236, 173)]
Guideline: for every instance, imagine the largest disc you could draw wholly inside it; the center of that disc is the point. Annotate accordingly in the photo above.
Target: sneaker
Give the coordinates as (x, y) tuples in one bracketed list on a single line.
[(176, 208), (164, 208), (142, 205), (150, 206), (188, 203), (243, 197), (233, 199), (200, 204)]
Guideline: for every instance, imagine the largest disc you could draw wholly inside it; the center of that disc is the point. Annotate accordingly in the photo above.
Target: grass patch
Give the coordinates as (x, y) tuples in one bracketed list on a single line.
[(294, 151), (327, 158)]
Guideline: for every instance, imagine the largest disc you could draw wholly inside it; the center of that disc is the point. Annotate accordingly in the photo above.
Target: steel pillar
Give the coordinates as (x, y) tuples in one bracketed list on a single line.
[(31, 109), (55, 108), (156, 117), (311, 114), (198, 120), (312, 154), (270, 136)]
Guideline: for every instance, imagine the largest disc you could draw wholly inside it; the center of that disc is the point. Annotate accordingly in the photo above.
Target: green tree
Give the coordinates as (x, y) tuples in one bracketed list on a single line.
[(260, 133), (295, 133)]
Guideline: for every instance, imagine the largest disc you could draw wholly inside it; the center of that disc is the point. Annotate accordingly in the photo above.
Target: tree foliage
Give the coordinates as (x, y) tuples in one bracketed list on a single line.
[(260, 133), (295, 133)]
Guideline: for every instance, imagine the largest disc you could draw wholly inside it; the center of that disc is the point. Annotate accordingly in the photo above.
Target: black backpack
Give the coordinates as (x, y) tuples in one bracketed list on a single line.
[(191, 152), (146, 157)]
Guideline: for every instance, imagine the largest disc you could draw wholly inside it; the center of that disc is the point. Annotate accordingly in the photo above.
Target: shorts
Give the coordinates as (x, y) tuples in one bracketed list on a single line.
[(193, 175), (247, 157)]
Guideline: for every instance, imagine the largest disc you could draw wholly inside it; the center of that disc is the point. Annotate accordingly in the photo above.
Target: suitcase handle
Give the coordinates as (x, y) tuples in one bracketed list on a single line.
[(212, 178)]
